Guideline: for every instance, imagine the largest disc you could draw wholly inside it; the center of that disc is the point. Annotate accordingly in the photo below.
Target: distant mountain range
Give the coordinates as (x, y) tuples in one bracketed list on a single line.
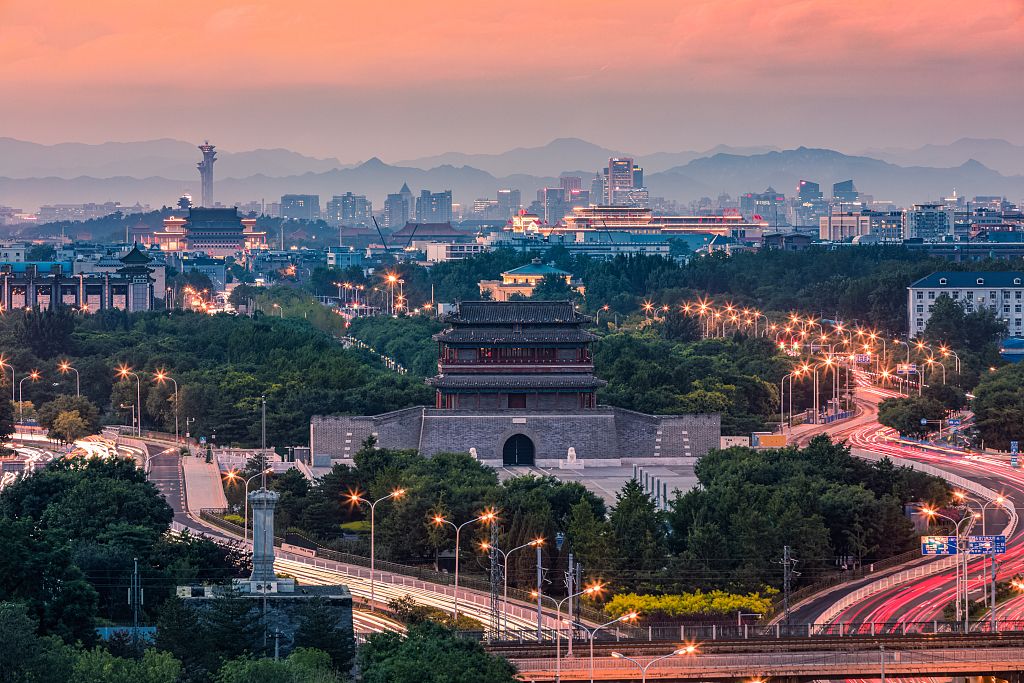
[(999, 155), (156, 172)]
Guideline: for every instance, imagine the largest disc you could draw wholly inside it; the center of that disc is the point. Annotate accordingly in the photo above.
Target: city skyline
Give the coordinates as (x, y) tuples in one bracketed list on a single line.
[(276, 75)]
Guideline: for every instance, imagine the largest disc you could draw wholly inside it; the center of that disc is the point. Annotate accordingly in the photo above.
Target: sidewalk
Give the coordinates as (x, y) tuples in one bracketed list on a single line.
[(203, 484)]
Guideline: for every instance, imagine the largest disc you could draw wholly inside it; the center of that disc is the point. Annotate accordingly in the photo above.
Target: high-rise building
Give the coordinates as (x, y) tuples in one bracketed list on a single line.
[(597, 187), (206, 172), (349, 209), (396, 211), (509, 203), (570, 183), (844, 192), (410, 201), (768, 205), (553, 201), (578, 198), (930, 222), (811, 204), (301, 206), (837, 226), (638, 176), (434, 207), (619, 177)]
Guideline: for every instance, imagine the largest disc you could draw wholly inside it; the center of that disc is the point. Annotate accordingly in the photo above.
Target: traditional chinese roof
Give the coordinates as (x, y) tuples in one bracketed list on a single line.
[(135, 257), (535, 268), (513, 382), (510, 312), (424, 229), (504, 335)]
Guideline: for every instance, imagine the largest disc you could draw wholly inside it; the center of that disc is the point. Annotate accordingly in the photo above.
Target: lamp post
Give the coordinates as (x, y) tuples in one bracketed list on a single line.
[(782, 387), (624, 617), (998, 501), (946, 351), (933, 513), (3, 363), (160, 377), (504, 571), (458, 529), (245, 500), (124, 372), (280, 309), (932, 361), (373, 508), (688, 650), (64, 367), (558, 631), (21, 403), (897, 341), (603, 308)]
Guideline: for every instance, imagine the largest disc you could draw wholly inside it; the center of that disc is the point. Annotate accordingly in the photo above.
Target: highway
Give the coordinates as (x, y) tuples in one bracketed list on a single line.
[(924, 599), (166, 473)]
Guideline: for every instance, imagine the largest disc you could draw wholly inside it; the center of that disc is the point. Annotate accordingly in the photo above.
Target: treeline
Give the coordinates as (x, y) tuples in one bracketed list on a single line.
[(223, 365), (726, 535), (821, 501)]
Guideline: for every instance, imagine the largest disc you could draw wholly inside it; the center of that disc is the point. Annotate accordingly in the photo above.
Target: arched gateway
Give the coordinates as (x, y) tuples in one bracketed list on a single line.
[(518, 450)]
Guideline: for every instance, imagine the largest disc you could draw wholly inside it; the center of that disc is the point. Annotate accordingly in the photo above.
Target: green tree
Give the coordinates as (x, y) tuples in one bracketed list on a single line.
[(47, 333), (18, 635), (87, 411), (552, 287), (69, 427), (233, 622), (319, 630), (905, 414), (430, 653), (639, 528)]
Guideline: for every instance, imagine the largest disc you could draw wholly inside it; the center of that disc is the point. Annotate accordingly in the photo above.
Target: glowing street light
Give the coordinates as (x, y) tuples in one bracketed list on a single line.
[(65, 366), (458, 529), (21, 402), (688, 650), (124, 372), (355, 498), (161, 375), (488, 546)]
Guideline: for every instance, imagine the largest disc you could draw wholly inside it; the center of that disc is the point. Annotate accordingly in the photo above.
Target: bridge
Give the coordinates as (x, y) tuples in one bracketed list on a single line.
[(794, 667)]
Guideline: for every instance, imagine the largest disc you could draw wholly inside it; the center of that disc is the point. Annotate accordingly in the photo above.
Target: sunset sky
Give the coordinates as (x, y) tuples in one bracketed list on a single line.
[(400, 80)]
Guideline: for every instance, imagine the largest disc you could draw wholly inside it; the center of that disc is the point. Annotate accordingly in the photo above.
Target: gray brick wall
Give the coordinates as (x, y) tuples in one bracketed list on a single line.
[(603, 434)]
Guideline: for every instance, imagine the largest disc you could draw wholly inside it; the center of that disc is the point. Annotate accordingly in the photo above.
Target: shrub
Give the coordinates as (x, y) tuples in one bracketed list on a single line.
[(713, 603)]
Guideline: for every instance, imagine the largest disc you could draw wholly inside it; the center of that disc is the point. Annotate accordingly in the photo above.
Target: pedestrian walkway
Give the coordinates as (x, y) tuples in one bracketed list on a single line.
[(203, 484)]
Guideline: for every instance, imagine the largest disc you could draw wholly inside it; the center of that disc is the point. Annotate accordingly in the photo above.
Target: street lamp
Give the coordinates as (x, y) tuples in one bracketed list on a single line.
[(64, 367), (280, 309), (688, 650), (373, 507), (488, 546), (558, 631), (245, 499), (458, 529), (624, 617), (124, 372), (984, 506), (160, 377), (972, 517), (21, 403)]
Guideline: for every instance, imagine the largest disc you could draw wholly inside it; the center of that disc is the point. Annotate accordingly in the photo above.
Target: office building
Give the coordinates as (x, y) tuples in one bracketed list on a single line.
[(577, 198), (638, 176), (766, 205), (1002, 293), (844, 192), (396, 211), (597, 191), (439, 252), (206, 172), (434, 207), (930, 222), (344, 257), (888, 225), (631, 197), (349, 209), (836, 227), (300, 207), (509, 203), (618, 176), (570, 183), (552, 200), (811, 204)]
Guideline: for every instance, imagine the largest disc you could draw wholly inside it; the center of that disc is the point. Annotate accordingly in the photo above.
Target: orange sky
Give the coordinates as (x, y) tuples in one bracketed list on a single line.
[(403, 79)]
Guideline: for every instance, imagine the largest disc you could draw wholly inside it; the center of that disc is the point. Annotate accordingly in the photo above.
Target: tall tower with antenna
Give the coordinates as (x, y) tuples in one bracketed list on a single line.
[(206, 172)]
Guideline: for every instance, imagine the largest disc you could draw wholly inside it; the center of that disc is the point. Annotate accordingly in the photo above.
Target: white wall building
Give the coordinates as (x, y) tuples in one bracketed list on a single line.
[(1003, 292)]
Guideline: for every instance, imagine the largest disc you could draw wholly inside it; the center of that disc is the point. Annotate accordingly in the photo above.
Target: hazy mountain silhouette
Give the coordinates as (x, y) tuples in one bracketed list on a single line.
[(999, 155)]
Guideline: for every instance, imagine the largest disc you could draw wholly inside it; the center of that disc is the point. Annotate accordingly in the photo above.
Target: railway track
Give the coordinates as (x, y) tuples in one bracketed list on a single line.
[(644, 648)]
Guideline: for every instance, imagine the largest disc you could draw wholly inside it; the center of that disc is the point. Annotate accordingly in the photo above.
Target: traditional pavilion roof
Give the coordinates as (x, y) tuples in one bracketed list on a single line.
[(536, 268), (509, 312), (202, 214), (504, 335), (135, 257), (521, 382)]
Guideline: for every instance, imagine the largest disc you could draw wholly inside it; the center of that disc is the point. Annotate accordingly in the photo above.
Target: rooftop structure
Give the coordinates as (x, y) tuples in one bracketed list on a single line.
[(523, 280), (641, 220), (1003, 293), (215, 232)]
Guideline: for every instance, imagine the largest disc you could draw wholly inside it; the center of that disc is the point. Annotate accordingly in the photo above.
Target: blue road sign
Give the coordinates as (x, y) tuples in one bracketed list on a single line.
[(924, 421), (202, 439), (984, 545), (953, 422), (938, 545), (861, 358), (1013, 446), (1013, 459)]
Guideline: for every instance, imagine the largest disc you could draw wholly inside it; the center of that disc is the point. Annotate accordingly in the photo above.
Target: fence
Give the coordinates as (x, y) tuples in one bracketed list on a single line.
[(215, 516), (932, 567)]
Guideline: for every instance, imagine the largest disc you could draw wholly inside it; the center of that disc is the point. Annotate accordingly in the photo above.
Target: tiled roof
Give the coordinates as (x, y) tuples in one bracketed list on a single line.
[(535, 269), (135, 257), (423, 229), (508, 312), (213, 214), (969, 280), (503, 335), (503, 382)]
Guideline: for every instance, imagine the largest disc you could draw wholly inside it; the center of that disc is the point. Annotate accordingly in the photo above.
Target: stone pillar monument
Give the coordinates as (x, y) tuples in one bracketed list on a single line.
[(263, 502)]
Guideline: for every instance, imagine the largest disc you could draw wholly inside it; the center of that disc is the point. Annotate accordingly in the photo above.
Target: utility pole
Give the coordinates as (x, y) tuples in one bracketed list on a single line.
[(495, 582), (787, 563), (135, 599), (540, 580), (569, 585)]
